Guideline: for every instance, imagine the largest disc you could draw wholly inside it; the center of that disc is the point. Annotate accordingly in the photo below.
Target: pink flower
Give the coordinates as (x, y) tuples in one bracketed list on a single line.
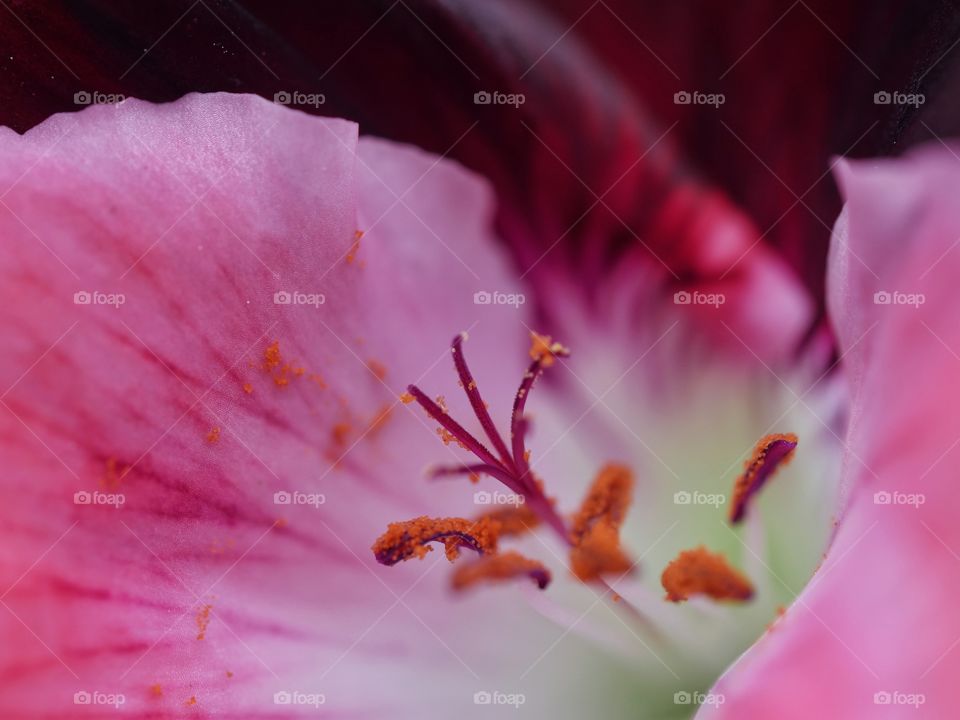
[(213, 310)]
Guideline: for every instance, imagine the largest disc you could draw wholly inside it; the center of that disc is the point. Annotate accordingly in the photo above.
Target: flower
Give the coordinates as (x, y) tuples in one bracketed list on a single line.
[(266, 286), (212, 308)]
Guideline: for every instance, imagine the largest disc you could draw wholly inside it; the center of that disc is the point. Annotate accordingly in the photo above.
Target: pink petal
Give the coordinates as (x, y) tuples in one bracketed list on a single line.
[(198, 212), (880, 614)]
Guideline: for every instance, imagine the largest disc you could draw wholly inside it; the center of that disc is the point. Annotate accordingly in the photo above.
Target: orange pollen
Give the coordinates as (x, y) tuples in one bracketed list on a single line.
[(700, 572), (411, 538), (378, 369), (203, 621), (156, 690), (248, 388), (498, 568), (213, 435), (271, 355), (406, 398), (595, 532), (513, 520), (340, 433), (771, 452), (543, 348), (355, 246)]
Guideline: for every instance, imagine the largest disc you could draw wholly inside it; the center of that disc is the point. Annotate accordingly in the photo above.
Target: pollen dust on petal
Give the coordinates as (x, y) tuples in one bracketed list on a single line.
[(543, 348), (411, 538), (499, 568), (595, 532), (192, 701), (700, 572), (281, 371), (214, 435), (219, 548), (156, 690), (378, 369), (113, 474), (354, 430), (203, 621), (354, 247)]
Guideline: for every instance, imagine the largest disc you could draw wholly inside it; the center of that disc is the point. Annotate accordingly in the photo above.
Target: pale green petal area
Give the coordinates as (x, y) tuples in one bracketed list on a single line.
[(685, 419)]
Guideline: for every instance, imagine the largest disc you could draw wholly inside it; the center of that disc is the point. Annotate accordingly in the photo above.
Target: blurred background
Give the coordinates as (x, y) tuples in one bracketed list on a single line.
[(600, 81)]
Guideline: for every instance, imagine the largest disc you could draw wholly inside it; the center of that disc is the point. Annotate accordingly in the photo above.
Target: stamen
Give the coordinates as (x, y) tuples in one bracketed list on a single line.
[(452, 426), (701, 572), (409, 539), (595, 532), (404, 540), (542, 348), (472, 471), (543, 352), (770, 453), (497, 568), (513, 521), (476, 402)]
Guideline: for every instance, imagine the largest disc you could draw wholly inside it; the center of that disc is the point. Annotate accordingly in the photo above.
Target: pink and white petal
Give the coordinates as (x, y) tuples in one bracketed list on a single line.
[(199, 596), (875, 632)]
